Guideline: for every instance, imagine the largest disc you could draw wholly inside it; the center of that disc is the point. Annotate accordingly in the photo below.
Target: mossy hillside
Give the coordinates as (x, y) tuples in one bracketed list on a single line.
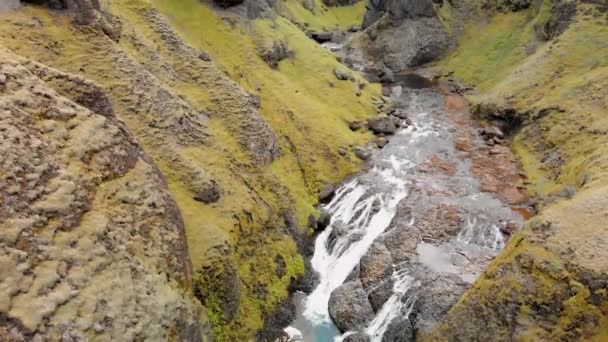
[(322, 17), (251, 214), (561, 74), (297, 99), (544, 286), (491, 47), (312, 120)]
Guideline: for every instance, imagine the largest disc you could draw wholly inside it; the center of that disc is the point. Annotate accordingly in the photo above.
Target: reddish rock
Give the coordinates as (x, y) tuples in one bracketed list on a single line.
[(438, 163), (464, 144), (513, 195)]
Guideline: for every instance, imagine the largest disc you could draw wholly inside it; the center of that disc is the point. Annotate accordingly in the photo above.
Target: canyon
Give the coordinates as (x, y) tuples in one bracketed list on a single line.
[(303, 170)]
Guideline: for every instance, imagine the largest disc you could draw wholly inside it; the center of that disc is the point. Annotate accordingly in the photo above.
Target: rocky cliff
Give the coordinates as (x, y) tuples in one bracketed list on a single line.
[(163, 161), (92, 242)]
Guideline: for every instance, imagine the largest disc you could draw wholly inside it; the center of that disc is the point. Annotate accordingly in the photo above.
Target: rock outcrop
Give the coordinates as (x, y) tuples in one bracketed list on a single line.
[(91, 242), (404, 33)]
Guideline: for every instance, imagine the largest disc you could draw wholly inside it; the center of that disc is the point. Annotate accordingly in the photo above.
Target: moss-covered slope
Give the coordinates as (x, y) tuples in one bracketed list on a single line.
[(263, 137), (551, 281)]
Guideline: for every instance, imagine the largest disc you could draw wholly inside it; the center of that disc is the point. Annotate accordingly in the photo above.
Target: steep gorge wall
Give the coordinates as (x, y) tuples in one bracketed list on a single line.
[(540, 70), (91, 241), (245, 143)]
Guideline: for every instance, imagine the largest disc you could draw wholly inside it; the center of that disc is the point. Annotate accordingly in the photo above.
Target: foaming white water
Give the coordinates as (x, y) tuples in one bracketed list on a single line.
[(481, 233), (367, 216), (363, 209), (399, 305)]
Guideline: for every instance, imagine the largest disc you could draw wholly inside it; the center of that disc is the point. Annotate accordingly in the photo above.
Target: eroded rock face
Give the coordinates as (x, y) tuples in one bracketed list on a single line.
[(386, 42), (88, 13), (91, 242), (507, 5)]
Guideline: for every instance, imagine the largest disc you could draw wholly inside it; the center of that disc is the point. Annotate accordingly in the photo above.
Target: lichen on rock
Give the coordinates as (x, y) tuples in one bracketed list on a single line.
[(91, 241)]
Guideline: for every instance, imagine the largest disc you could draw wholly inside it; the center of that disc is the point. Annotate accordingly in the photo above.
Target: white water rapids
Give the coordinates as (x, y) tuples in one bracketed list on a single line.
[(364, 207)]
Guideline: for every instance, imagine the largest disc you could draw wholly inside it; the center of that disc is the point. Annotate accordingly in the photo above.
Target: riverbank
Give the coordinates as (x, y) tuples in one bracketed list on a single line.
[(409, 237)]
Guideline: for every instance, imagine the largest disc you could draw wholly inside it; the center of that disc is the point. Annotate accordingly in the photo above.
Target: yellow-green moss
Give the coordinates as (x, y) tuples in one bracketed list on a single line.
[(310, 119), (559, 88), (322, 17)]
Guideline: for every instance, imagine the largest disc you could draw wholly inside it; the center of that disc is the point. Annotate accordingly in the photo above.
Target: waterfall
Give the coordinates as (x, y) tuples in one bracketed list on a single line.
[(364, 207)]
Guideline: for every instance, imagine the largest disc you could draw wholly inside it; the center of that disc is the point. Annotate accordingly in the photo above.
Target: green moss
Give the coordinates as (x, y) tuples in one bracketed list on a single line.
[(323, 17), (311, 120)]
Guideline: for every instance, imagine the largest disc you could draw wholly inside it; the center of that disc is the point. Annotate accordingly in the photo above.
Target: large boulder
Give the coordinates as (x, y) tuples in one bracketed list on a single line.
[(400, 52), (386, 41), (374, 10), (401, 9), (349, 307), (382, 125), (399, 330), (375, 270)]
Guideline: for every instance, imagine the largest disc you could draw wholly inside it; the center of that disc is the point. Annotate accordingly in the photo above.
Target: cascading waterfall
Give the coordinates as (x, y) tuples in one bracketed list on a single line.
[(399, 304), (363, 208)]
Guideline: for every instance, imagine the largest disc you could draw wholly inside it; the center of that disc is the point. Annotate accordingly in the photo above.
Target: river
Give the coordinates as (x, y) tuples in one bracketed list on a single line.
[(364, 210)]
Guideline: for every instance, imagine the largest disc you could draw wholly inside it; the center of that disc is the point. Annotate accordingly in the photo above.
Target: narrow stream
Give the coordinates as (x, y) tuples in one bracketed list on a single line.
[(364, 207)]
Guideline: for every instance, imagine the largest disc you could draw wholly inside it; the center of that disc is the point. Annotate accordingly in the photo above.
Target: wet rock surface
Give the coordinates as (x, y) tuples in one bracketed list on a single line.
[(444, 233), (382, 125), (349, 307)]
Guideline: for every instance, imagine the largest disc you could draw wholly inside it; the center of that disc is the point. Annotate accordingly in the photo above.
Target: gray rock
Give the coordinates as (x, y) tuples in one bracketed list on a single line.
[(324, 220), (399, 330), (562, 13), (374, 11), (326, 193), (376, 268), (228, 3), (507, 5), (339, 230), (380, 142), (259, 9), (333, 3), (387, 76), (402, 9), (322, 37), (206, 190), (362, 153), (357, 337), (399, 113), (204, 56), (342, 75), (397, 122), (349, 307), (355, 126), (276, 53), (399, 52), (382, 125), (492, 132), (309, 5)]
